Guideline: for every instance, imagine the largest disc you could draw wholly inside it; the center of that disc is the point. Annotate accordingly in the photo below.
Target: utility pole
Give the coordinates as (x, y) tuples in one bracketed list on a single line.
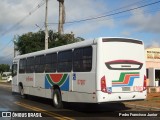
[(61, 16), (14, 40), (46, 27)]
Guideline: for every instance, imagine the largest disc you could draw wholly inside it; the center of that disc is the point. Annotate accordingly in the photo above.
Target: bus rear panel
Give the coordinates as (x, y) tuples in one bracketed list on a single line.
[(120, 70)]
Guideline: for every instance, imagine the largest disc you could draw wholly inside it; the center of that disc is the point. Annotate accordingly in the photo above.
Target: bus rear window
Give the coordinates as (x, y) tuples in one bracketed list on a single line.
[(124, 65), (122, 40)]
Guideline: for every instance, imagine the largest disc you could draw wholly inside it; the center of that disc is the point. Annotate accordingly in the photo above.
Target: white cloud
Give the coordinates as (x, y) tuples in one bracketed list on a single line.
[(89, 27), (80, 9), (5, 60), (140, 21), (8, 50), (83, 9), (126, 33), (154, 43), (7, 54), (13, 11)]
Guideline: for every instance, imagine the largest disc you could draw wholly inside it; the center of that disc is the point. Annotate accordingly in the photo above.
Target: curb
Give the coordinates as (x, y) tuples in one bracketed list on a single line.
[(150, 108), (3, 84), (3, 81)]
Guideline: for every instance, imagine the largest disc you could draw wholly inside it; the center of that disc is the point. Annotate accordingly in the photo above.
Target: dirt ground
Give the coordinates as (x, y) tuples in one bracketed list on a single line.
[(152, 101)]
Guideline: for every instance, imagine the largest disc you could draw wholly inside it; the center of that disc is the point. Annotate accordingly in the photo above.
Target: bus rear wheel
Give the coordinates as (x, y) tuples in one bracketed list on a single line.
[(21, 90), (57, 99)]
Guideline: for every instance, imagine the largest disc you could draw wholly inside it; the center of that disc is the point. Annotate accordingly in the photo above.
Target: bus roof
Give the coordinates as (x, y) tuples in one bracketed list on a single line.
[(57, 49), (70, 46)]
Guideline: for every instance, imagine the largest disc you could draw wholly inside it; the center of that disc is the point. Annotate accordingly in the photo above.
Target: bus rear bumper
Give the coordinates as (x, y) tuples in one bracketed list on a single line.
[(120, 97)]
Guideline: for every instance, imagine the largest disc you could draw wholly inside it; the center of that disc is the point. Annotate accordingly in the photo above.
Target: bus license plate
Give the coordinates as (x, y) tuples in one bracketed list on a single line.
[(125, 88)]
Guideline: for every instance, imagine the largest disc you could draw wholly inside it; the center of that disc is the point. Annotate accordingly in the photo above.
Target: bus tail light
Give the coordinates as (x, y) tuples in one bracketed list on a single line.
[(103, 84), (145, 83)]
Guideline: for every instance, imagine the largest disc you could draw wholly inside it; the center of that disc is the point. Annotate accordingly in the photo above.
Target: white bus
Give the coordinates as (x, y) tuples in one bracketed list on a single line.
[(93, 71)]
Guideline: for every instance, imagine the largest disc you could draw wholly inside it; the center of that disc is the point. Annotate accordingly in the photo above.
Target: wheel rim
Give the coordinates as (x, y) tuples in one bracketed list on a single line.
[(21, 91)]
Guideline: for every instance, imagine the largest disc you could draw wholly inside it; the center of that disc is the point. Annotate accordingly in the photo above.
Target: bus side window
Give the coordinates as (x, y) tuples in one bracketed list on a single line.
[(39, 64), (65, 61), (22, 66), (82, 59), (30, 65), (14, 70), (51, 62)]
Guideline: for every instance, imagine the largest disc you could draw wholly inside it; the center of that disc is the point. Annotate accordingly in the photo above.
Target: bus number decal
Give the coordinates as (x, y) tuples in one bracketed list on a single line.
[(137, 88), (81, 82)]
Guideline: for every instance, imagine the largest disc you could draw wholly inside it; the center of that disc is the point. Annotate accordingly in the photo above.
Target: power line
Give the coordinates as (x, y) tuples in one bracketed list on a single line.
[(145, 12), (93, 18), (123, 7), (7, 56), (142, 1), (19, 22), (112, 14), (23, 19), (5, 46)]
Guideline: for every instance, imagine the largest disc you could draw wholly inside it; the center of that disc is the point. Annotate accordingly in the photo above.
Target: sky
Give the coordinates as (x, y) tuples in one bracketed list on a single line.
[(89, 19)]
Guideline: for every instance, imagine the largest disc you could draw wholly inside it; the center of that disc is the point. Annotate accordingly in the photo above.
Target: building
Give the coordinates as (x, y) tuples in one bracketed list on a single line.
[(153, 66)]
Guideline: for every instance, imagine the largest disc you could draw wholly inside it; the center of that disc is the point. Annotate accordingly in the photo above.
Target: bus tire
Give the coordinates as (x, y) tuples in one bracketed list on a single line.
[(57, 99), (21, 91)]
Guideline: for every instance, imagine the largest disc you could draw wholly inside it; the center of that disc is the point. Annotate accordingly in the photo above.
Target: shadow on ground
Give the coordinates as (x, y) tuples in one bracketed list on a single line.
[(91, 107), (84, 107)]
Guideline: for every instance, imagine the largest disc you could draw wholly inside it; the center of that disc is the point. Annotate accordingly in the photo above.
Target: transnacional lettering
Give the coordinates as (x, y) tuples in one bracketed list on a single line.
[(29, 78)]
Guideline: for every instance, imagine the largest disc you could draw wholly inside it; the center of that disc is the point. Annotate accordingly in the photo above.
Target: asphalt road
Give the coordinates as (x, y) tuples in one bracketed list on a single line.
[(34, 107)]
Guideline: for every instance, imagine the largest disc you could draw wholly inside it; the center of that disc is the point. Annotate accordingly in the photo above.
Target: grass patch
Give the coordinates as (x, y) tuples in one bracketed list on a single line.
[(156, 98)]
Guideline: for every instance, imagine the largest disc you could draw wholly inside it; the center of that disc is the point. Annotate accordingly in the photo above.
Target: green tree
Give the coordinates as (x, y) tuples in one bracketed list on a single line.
[(31, 42), (4, 68)]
